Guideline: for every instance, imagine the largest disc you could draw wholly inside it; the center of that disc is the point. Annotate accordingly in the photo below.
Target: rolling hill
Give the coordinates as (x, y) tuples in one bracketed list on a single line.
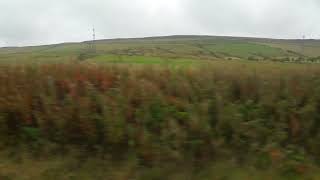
[(170, 47)]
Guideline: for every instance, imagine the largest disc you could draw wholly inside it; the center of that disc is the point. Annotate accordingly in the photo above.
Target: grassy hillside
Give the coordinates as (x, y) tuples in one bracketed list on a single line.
[(189, 47)]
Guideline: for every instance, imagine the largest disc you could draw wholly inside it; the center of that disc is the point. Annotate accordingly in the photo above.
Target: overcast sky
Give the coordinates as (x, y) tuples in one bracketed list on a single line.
[(32, 22)]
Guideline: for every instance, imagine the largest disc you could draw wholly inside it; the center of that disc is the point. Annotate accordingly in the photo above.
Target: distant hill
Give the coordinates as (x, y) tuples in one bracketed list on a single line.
[(180, 46)]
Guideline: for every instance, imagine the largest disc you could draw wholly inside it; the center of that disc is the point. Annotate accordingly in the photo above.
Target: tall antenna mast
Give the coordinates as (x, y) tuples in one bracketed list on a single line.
[(302, 44), (94, 33), (93, 39)]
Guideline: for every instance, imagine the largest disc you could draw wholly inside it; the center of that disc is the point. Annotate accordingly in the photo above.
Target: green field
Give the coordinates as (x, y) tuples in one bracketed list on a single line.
[(168, 48)]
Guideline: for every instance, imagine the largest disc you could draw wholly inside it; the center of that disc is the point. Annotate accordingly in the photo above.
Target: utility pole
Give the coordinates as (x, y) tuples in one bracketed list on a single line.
[(93, 45), (90, 50), (302, 44)]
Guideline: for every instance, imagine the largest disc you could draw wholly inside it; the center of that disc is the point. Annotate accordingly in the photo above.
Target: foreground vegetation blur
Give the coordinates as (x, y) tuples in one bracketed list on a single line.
[(87, 120)]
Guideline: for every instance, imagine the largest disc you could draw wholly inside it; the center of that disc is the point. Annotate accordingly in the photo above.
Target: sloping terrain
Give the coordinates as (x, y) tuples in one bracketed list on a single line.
[(190, 47)]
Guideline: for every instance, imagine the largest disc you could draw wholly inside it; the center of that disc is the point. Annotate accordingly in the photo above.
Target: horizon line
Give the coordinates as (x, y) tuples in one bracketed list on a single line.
[(159, 36)]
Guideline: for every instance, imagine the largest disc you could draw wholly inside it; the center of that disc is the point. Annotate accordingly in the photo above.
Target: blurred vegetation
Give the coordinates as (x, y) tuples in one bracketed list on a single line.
[(161, 122)]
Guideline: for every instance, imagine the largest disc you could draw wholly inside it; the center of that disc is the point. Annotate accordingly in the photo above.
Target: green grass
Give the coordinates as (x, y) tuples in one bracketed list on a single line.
[(311, 48), (175, 47), (245, 50), (144, 60)]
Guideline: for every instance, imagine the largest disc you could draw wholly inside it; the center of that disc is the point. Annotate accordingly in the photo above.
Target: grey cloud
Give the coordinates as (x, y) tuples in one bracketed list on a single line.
[(30, 22), (264, 18)]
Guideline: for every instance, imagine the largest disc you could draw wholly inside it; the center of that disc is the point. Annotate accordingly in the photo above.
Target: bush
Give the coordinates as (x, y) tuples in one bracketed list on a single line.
[(160, 114)]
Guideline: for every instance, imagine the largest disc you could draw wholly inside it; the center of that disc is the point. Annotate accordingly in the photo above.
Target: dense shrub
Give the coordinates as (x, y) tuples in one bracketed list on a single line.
[(263, 115)]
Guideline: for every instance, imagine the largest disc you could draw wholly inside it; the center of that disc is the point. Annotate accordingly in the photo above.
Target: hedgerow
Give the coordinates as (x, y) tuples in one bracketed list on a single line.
[(262, 115)]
